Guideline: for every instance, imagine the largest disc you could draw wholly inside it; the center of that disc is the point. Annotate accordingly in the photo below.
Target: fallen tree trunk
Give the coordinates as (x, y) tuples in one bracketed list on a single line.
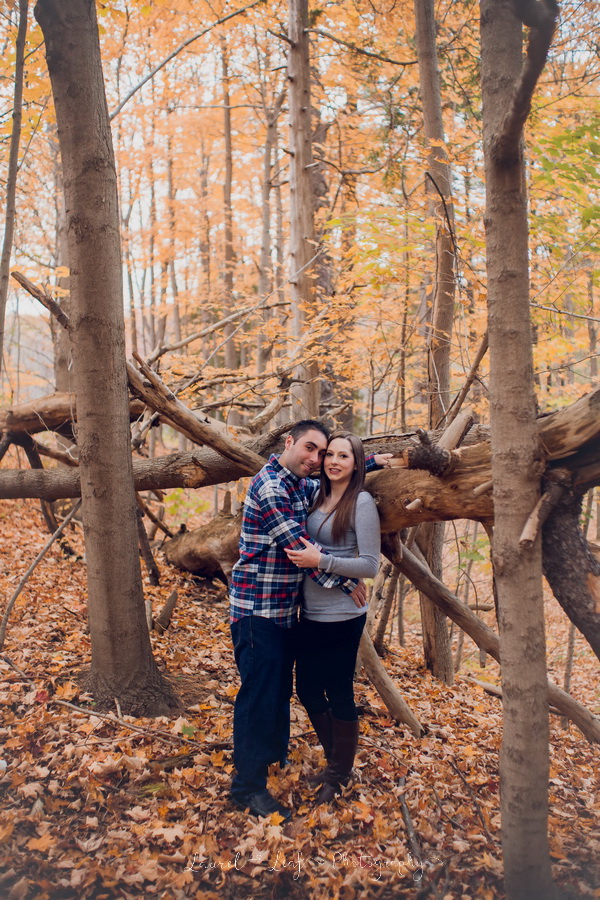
[(198, 468), (463, 490), (209, 551), (50, 413), (201, 430)]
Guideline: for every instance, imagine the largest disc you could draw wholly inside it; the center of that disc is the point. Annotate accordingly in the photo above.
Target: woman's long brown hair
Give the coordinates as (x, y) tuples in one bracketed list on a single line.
[(343, 512)]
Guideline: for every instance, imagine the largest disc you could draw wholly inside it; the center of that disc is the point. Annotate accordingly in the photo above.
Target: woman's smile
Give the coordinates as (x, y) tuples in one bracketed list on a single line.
[(339, 460)]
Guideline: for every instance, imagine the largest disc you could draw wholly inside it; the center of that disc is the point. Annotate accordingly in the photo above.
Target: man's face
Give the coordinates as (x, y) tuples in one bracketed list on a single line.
[(305, 455)]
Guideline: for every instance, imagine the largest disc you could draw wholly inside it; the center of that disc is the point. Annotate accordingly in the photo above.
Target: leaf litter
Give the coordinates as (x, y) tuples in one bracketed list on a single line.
[(101, 807)]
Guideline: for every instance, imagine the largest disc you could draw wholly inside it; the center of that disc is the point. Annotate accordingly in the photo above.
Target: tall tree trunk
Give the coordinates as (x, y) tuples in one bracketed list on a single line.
[(516, 459), (440, 191), (13, 165), (231, 354), (122, 663), (436, 640), (305, 393), (265, 275), (205, 248), (61, 340)]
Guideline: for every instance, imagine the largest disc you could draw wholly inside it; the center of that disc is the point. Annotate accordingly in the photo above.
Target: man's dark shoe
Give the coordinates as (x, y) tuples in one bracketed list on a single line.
[(262, 803)]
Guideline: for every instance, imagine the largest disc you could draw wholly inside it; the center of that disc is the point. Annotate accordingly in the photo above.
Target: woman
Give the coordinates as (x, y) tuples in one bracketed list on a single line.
[(345, 523)]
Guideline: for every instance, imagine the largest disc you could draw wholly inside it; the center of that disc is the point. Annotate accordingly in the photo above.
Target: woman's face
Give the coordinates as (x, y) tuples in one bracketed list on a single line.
[(339, 461)]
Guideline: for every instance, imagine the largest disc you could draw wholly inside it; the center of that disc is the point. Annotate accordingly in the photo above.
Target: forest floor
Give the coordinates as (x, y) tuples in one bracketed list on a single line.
[(101, 808)]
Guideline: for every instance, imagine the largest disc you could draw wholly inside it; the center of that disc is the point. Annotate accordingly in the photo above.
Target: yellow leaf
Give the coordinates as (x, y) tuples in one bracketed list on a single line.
[(6, 831), (42, 843), (67, 691), (364, 812)]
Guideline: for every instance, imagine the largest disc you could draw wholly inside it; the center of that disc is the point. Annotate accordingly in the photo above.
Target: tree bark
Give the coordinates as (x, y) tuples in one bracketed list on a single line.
[(436, 640), (13, 165), (305, 393), (265, 275), (440, 191), (572, 570), (61, 340), (50, 413), (230, 350), (517, 463), (122, 663)]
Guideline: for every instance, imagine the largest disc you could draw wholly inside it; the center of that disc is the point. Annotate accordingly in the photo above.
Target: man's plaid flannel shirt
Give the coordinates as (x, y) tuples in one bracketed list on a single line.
[(264, 582)]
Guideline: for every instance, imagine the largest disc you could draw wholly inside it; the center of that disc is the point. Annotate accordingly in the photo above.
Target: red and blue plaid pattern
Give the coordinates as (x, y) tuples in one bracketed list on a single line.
[(264, 582)]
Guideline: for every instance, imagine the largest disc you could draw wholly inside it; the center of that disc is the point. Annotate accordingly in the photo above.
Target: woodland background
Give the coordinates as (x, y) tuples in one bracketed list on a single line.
[(203, 162), (210, 108)]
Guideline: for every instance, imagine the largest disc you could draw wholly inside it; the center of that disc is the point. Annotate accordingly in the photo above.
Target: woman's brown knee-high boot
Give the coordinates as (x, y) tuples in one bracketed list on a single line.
[(339, 767), (322, 723)]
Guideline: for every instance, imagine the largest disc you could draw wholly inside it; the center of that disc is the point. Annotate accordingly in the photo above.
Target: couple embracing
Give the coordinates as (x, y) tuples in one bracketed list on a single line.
[(309, 542)]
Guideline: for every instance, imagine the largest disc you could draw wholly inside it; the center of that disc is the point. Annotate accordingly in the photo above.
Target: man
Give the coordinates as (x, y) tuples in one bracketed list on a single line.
[(264, 596)]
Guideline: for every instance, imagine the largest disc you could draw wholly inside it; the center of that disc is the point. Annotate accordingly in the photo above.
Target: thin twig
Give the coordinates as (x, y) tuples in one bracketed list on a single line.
[(475, 800), (362, 51), (410, 828), (446, 213), (442, 810), (186, 43), (110, 717), (454, 408)]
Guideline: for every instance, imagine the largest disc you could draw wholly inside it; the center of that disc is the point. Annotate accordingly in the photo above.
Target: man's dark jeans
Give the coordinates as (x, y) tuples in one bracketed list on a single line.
[(261, 719)]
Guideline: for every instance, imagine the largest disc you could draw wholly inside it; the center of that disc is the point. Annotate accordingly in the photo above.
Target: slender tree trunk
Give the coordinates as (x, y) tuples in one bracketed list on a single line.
[(205, 246), (516, 458), (265, 275), (122, 663), (440, 191), (231, 353), (13, 165), (305, 393), (228, 252), (436, 640), (61, 340)]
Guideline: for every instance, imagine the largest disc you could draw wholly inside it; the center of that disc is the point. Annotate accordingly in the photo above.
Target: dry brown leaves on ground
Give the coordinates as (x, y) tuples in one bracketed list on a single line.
[(93, 809)]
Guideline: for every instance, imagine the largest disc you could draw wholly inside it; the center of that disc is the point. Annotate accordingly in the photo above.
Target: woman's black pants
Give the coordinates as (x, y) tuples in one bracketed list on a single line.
[(325, 663)]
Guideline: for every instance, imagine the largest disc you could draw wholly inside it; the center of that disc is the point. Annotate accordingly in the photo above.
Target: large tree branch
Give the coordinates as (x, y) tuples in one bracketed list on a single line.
[(484, 637), (154, 392), (541, 16)]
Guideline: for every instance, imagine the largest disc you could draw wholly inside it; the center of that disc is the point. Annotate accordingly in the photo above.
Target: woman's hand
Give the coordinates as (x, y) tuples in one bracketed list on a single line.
[(309, 558)]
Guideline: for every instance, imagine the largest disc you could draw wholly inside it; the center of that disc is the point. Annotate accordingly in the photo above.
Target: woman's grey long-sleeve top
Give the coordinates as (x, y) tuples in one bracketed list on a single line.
[(355, 556)]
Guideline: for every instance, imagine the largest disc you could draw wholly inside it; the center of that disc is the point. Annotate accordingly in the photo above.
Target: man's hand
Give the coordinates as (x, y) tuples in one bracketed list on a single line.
[(359, 594)]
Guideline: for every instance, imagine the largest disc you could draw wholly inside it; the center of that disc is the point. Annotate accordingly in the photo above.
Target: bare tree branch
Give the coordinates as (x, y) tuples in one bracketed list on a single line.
[(361, 50), (177, 51)]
